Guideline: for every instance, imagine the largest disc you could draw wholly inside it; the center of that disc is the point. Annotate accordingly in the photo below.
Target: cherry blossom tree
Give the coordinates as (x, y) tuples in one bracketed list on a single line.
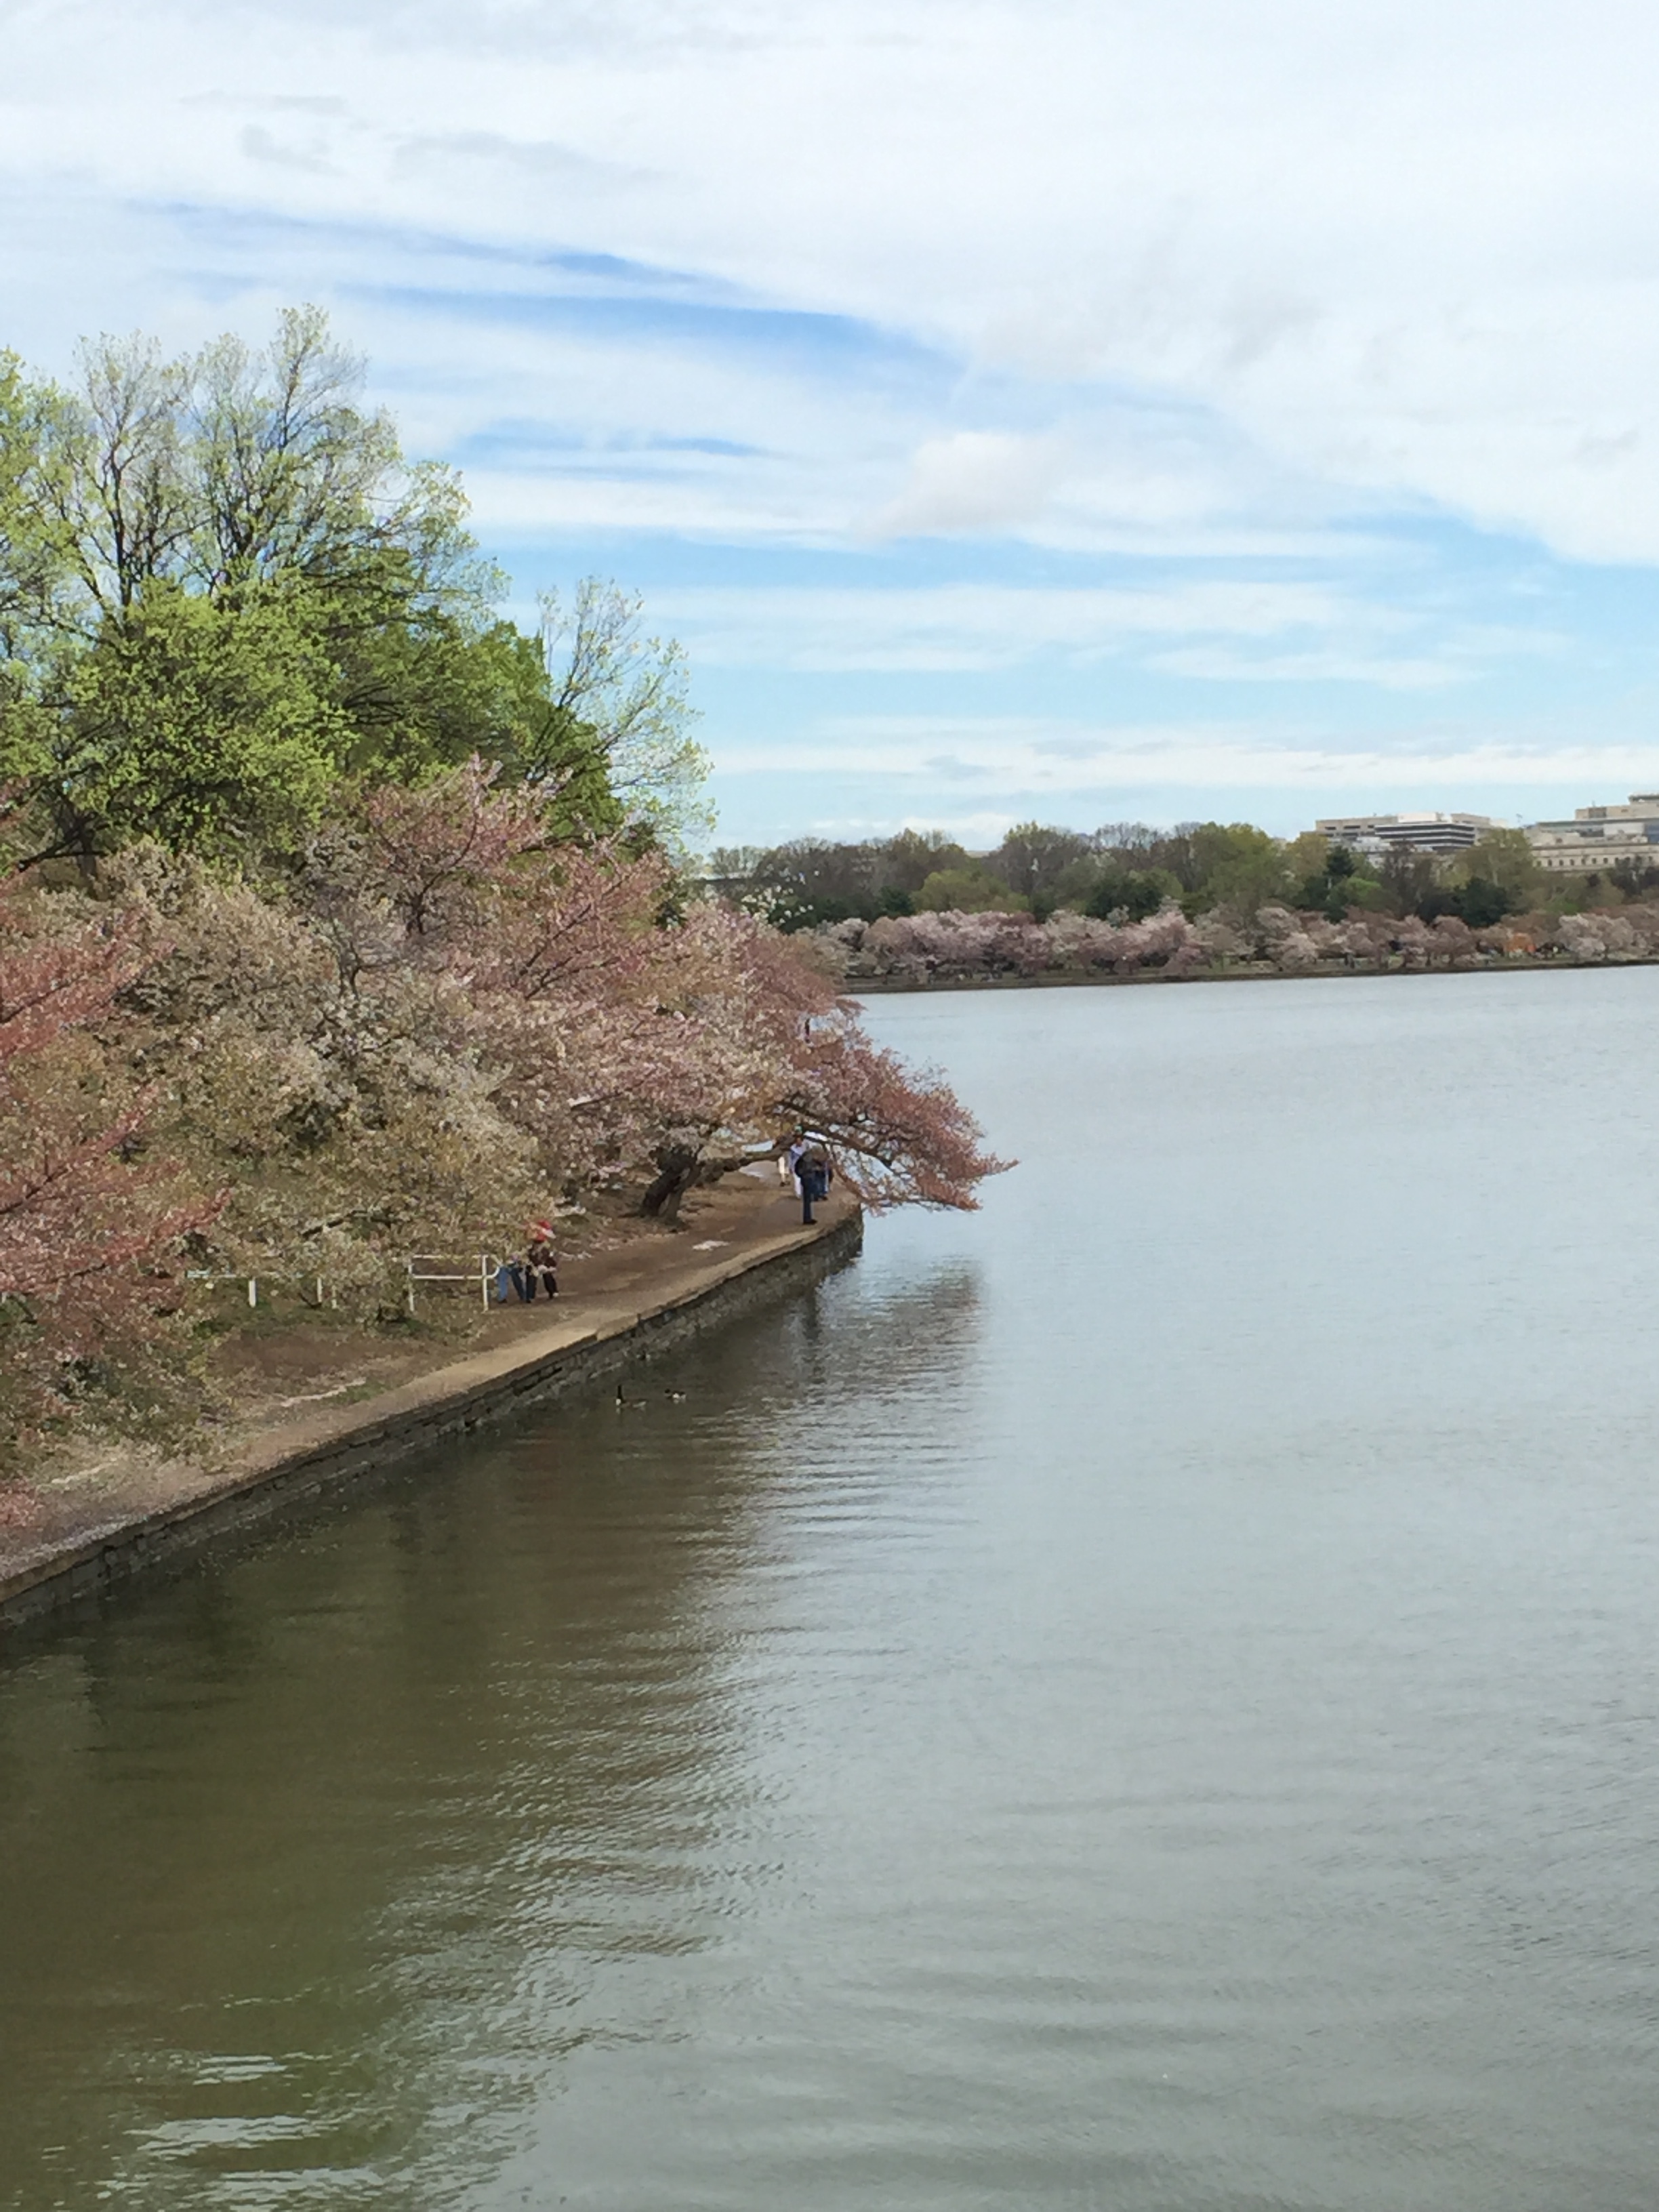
[(630, 1041), (1453, 940), (780, 1050), (441, 1021), (947, 946), (457, 1019), (91, 1222), (320, 1063)]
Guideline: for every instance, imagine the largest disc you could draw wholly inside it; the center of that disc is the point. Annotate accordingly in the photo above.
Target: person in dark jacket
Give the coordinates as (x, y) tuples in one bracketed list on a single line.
[(814, 1174), (542, 1262)]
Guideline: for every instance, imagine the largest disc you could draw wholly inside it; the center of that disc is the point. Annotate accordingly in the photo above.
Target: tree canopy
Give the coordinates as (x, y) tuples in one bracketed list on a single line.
[(340, 918), (224, 588), (1126, 871)]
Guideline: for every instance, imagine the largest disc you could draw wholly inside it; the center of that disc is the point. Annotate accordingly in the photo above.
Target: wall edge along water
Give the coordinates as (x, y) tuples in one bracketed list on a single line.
[(1060, 979), (451, 1400)]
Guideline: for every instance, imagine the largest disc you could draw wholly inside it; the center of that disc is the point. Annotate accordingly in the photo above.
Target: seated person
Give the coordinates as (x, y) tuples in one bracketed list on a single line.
[(541, 1263)]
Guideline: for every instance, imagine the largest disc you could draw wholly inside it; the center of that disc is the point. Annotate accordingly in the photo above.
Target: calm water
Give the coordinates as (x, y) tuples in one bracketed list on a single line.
[(1147, 1697)]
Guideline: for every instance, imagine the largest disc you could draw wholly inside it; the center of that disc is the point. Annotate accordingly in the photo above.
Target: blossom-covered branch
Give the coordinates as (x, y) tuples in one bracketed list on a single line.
[(90, 1227)]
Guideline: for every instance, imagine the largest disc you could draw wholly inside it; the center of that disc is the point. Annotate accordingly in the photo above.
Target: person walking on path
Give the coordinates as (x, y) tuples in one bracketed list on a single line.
[(814, 1174), (789, 1163)]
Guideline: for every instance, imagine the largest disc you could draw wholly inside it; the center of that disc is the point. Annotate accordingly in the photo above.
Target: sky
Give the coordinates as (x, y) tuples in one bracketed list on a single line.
[(1142, 409)]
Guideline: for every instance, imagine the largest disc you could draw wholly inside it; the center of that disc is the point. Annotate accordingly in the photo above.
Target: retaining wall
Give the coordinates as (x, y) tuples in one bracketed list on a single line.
[(491, 1387)]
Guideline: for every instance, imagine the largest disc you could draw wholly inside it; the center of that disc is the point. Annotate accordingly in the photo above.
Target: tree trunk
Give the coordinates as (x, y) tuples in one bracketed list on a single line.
[(677, 1171)]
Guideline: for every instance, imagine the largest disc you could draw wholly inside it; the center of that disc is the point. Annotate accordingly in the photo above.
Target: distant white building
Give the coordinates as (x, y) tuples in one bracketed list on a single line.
[(1417, 833), (1600, 837)]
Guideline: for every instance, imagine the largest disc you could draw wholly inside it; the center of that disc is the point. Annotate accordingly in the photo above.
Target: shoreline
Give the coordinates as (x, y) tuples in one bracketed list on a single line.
[(300, 1457), (876, 986)]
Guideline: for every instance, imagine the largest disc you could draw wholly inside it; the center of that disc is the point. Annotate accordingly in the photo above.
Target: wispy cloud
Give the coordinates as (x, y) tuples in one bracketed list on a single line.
[(1034, 755), (982, 482), (1290, 354), (1216, 630)]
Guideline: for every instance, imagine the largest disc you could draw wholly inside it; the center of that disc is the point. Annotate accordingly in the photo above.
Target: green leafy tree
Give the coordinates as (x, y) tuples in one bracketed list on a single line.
[(205, 725), (1480, 902), (1306, 855), (1032, 858), (1134, 893), (28, 566), (1330, 877), (904, 862), (627, 698), (1633, 878), (1408, 877), (810, 880), (968, 889), (802, 884), (1135, 845), (1239, 866), (1505, 858), (222, 585)]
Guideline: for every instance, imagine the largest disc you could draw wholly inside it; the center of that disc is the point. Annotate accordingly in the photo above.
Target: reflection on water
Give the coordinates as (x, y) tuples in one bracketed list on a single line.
[(332, 1848), (1143, 1698)]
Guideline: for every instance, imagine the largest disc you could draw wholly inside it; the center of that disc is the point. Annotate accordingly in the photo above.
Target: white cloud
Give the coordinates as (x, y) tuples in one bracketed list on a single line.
[(1218, 629), (1406, 245), (1268, 287), (982, 481), (1034, 755)]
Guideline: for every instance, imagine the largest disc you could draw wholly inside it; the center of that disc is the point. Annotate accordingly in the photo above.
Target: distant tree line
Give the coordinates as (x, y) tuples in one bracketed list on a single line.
[(1126, 871), (915, 950)]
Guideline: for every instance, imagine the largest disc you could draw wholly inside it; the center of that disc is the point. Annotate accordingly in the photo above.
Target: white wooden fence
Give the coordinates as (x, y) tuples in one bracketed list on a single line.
[(419, 1267), (206, 1275), (423, 1267)]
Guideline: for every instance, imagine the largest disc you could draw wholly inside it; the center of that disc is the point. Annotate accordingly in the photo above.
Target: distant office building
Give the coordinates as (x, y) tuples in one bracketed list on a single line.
[(1600, 837), (1419, 833)]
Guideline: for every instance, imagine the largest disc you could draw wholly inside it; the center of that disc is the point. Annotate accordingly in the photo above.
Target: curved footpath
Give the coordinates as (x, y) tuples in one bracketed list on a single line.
[(676, 1292)]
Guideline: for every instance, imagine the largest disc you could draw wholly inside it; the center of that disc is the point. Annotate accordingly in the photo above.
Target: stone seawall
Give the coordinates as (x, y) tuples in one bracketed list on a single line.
[(327, 1450), (1060, 979)]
